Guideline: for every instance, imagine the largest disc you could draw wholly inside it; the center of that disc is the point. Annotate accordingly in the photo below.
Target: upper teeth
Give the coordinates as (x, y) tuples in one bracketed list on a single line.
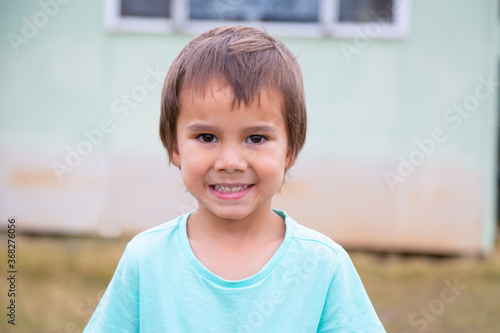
[(229, 189)]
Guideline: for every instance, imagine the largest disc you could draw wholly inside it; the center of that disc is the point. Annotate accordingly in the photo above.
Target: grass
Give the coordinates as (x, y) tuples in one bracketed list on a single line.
[(433, 294), (60, 281)]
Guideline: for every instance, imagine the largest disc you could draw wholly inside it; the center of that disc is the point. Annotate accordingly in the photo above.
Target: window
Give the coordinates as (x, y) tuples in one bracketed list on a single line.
[(337, 18), (138, 16), (364, 11), (145, 8), (267, 11), (374, 18)]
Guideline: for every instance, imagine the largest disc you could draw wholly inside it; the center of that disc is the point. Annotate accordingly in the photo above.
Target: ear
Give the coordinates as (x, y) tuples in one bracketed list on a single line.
[(176, 157), (290, 160)]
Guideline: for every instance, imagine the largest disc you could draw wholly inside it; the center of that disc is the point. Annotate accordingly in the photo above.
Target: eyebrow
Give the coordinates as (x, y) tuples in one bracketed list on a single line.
[(209, 128)]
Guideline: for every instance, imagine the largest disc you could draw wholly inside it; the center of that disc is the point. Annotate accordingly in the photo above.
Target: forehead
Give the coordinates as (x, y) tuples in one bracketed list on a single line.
[(217, 100), (216, 85)]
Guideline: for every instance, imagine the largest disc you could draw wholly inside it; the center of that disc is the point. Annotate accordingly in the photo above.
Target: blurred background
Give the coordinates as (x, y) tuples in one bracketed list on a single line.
[(401, 154)]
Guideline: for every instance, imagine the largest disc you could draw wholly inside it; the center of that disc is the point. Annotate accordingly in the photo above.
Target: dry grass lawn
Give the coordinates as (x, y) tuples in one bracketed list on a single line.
[(61, 279)]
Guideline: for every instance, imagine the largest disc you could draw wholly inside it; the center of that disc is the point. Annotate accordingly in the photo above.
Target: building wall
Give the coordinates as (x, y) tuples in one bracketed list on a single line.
[(390, 161)]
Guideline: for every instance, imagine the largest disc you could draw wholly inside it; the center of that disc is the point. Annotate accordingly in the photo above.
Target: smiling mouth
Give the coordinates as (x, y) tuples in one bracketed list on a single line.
[(229, 189)]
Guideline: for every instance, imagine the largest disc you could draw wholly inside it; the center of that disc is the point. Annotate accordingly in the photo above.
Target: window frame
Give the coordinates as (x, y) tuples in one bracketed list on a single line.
[(327, 25)]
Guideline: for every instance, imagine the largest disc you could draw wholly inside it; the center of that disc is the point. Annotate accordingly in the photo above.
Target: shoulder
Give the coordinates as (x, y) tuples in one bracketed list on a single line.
[(305, 234), (310, 244), (158, 230), (308, 237), (154, 239)]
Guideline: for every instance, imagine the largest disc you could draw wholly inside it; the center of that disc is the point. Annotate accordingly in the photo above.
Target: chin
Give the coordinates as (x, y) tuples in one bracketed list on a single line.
[(231, 214)]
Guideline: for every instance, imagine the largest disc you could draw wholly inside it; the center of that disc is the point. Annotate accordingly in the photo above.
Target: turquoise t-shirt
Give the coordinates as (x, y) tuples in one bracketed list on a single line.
[(309, 285)]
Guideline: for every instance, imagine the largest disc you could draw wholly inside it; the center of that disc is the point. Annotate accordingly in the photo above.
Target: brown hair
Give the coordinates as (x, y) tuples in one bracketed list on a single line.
[(248, 60)]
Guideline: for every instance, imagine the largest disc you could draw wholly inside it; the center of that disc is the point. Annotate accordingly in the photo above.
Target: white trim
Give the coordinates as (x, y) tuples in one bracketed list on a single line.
[(147, 25), (111, 14), (327, 14), (180, 14), (327, 24)]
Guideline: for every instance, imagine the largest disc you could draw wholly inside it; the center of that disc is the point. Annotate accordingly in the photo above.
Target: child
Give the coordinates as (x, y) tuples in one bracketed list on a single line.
[(233, 120)]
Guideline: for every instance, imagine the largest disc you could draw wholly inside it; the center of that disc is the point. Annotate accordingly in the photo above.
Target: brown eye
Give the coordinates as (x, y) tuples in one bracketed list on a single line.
[(207, 138), (256, 139)]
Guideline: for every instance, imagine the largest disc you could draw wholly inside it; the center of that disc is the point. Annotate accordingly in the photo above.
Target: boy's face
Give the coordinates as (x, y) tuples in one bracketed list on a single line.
[(232, 160)]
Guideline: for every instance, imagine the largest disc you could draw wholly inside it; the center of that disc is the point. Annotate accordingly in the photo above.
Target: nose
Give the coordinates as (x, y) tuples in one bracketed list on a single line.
[(231, 159)]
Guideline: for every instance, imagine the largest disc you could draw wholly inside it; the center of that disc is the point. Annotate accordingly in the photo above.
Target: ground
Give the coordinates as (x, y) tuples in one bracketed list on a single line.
[(60, 280)]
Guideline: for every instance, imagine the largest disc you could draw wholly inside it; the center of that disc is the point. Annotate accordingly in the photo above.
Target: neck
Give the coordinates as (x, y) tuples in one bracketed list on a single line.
[(262, 225)]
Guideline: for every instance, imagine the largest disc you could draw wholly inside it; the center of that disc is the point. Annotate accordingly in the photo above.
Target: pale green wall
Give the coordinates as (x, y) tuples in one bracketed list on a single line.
[(370, 109)]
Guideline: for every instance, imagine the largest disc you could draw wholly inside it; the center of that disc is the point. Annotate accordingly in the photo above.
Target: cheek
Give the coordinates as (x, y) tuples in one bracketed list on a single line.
[(193, 164), (272, 165), (280, 156), (190, 152)]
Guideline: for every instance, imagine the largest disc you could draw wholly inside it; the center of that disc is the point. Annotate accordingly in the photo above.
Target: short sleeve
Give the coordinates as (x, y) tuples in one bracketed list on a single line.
[(118, 309), (347, 307)]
